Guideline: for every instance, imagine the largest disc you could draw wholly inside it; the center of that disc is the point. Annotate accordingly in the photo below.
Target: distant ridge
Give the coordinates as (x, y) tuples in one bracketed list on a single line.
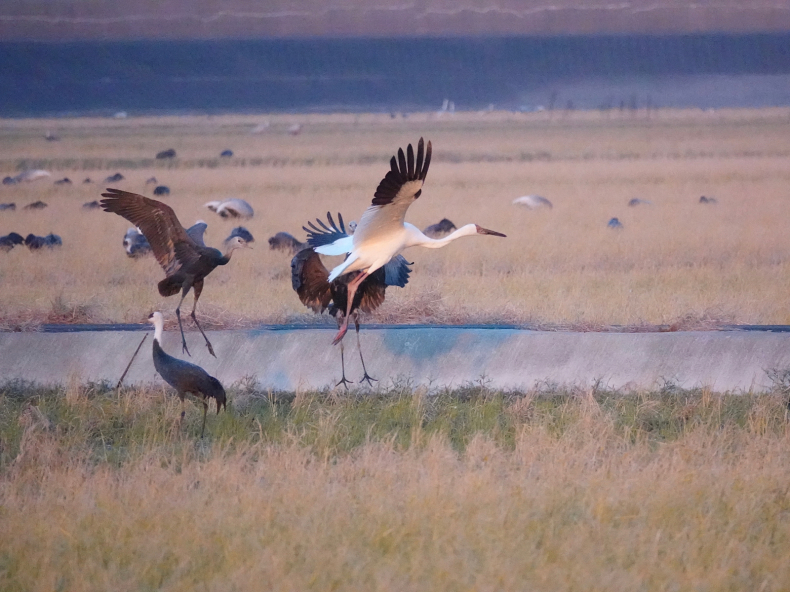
[(68, 20)]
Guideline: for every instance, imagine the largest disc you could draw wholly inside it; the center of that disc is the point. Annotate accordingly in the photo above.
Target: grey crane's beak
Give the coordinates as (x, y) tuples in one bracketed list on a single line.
[(481, 230)]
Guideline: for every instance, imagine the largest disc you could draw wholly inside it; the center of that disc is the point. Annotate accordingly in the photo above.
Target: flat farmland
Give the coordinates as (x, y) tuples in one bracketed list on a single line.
[(675, 261)]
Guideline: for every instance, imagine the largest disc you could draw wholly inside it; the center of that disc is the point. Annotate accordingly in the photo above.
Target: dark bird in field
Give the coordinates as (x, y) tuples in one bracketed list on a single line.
[(310, 280), (161, 190), (11, 240), (241, 232), (441, 228), (636, 202), (91, 205), (186, 378), (53, 240), (135, 244), (169, 153), (151, 181), (63, 181), (7, 206), (186, 261), (36, 205), (708, 200), (226, 153), (282, 241), (34, 243), (382, 232), (615, 223), (87, 180), (9, 181), (114, 178)]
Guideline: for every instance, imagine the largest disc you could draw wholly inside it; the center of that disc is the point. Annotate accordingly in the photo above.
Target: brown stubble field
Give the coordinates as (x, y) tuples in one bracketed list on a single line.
[(676, 262)]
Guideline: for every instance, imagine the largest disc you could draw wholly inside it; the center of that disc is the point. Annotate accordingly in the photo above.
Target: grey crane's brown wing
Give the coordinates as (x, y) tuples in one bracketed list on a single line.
[(399, 188), (309, 279), (372, 292), (158, 222), (394, 273)]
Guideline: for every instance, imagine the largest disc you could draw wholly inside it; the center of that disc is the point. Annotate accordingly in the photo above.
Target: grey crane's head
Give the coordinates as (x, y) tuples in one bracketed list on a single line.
[(236, 242)]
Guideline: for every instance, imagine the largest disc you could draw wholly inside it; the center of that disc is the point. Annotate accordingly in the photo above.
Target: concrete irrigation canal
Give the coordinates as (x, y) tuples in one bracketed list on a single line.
[(291, 358)]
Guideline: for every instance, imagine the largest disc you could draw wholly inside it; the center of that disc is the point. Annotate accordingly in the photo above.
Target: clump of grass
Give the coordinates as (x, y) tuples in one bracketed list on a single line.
[(399, 490)]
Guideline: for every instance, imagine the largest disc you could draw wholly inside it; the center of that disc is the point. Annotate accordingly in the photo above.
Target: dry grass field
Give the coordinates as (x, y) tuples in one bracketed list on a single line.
[(462, 491), (676, 262)]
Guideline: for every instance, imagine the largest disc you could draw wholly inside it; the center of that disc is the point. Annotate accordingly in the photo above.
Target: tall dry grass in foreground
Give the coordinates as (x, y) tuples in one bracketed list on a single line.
[(675, 261), (465, 490)]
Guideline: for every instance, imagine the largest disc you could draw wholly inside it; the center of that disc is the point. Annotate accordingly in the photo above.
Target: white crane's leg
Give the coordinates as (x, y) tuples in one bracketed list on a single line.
[(366, 377), (352, 290), (178, 316)]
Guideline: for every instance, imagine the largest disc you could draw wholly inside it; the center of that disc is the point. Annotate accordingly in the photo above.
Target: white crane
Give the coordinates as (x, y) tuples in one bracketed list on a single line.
[(382, 232)]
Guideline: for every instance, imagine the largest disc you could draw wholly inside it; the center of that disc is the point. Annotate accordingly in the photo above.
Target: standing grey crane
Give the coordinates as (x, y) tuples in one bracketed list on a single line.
[(382, 232), (183, 376), (310, 280), (184, 257)]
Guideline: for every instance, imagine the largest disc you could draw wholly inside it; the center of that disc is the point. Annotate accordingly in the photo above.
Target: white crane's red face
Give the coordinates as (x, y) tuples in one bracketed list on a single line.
[(481, 230)]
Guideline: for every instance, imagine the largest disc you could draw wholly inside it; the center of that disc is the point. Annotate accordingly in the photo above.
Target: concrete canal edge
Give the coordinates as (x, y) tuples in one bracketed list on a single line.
[(288, 359)]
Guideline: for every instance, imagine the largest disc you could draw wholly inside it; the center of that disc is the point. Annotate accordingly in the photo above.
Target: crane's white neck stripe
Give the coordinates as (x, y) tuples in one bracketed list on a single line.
[(158, 331)]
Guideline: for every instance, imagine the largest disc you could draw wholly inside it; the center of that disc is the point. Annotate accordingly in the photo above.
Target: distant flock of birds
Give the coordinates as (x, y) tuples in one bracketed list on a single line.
[(371, 250)]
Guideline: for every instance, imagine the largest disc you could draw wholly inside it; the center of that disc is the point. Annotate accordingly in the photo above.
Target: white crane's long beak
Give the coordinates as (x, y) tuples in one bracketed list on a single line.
[(481, 230)]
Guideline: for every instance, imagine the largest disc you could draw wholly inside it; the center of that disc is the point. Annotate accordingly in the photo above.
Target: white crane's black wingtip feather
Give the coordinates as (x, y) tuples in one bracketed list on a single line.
[(402, 171)]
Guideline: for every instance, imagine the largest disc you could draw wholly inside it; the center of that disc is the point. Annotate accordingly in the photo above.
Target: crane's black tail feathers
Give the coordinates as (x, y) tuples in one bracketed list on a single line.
[(325, 235)]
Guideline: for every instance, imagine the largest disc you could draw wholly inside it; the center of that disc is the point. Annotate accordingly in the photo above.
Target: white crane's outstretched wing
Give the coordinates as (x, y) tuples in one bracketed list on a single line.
[(397, 191)]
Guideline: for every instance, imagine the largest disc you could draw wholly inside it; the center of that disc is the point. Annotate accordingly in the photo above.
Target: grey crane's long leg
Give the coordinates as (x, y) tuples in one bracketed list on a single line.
[(352, 290), (198, 288), (203, 427), (344, 381), (183, 412), (366, 377), (178, 316)]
